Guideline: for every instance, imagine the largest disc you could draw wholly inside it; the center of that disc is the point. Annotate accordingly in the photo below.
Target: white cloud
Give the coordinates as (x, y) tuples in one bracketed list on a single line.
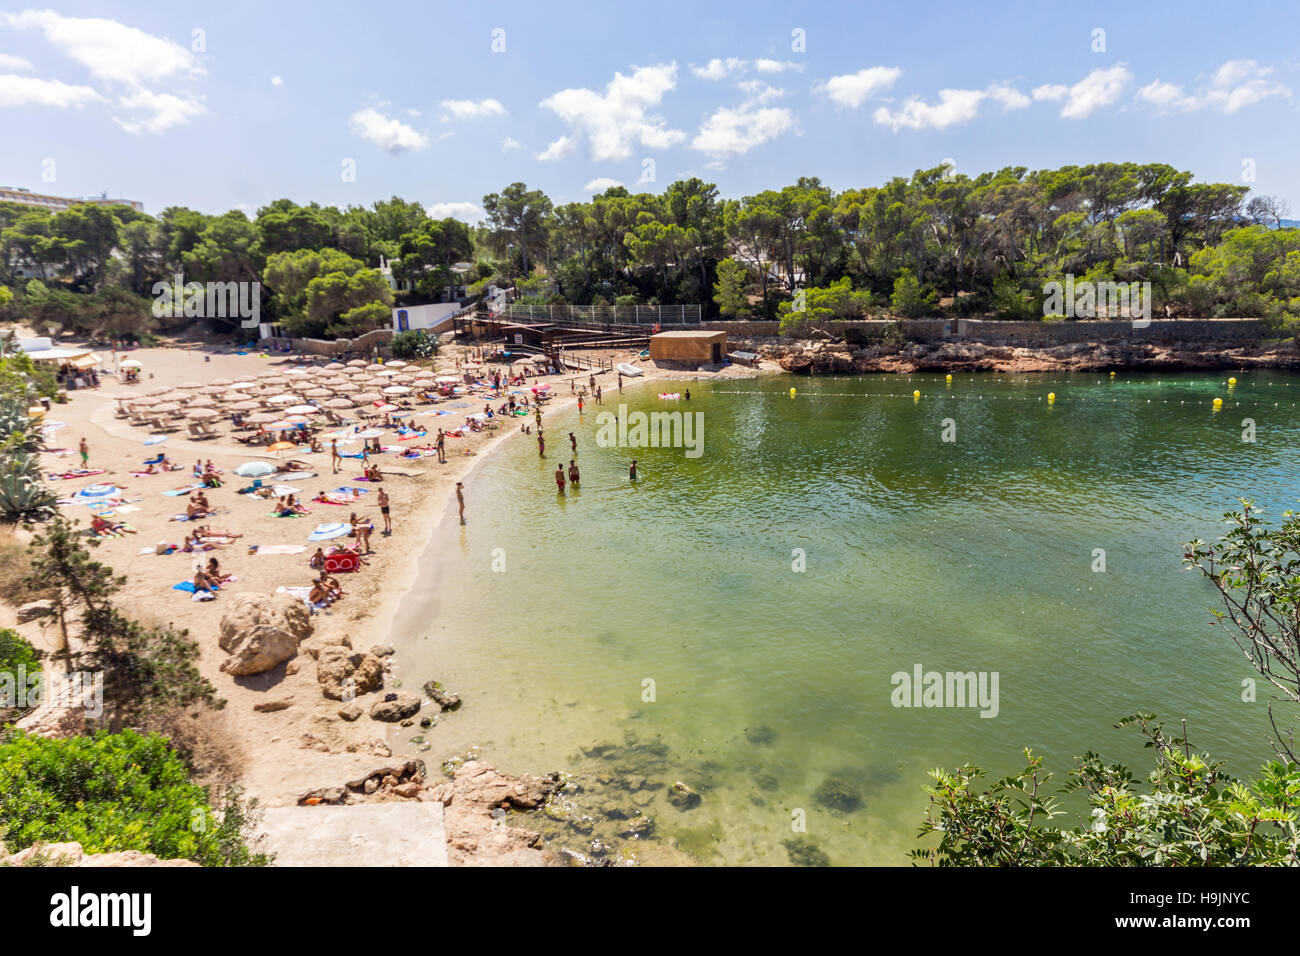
[(8, 62), (776, 66), (853, 89), (277, 81), (163, 111), (464, 211), (616, 121), (717, 69), (1099, 88), (471, 109), (560, 148), (111, 50), (30, 91), (1234, 85), (731, 132), (600, 184), (510, 143), (389, 134), (954, 108), (759, 92)]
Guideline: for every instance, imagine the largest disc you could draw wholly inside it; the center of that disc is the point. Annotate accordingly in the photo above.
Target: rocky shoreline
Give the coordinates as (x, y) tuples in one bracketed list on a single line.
[(839, 358)]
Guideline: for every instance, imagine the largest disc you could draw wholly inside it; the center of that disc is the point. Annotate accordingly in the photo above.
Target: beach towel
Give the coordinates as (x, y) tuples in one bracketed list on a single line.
[(176, 492), (278, 548), (81, 473), (285, 514), (188, 587)]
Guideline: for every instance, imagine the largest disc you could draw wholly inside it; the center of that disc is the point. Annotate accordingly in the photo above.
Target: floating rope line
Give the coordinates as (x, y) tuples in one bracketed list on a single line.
[(1008, 398)]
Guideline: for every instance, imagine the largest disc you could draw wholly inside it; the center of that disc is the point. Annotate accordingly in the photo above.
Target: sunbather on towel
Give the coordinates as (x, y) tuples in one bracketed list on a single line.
[(104, 528)]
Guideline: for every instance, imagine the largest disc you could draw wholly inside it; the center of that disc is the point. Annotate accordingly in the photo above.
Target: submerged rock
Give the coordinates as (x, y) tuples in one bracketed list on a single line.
[(402, 706), (444, 700), (762, 735), (683, 797), (804, 852), (838, 795)]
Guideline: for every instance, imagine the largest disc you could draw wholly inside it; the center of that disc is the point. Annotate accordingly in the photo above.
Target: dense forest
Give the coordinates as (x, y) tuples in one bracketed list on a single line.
[(935, 244)]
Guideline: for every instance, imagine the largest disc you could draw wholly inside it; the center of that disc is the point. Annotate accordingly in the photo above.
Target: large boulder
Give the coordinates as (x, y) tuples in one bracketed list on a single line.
[(344, 673), (259, 631)]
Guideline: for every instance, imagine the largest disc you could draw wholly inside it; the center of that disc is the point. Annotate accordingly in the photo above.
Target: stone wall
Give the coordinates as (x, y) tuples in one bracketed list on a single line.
[(1224, 332), (375, 338)]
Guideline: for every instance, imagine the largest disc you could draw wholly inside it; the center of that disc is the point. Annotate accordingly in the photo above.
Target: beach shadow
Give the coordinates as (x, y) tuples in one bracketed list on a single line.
[(267, 679)]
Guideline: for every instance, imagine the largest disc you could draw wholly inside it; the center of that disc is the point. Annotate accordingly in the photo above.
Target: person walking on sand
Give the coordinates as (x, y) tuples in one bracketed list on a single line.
[(441, 445), (335, 458), (460, 498), (573, 441), (383, 510), (559, 478), (84, 449), (631, 472), (574, 476)]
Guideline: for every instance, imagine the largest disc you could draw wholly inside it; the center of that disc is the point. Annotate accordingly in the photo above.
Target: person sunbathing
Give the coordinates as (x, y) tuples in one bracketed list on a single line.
[(293, 465), (315, 444), (197, 509), (282, 508), (102, 526), (206, 531), (374, 474), (332, 586), (319, 596), (215, 573), (318, 559), (204, 584), (292, 503)]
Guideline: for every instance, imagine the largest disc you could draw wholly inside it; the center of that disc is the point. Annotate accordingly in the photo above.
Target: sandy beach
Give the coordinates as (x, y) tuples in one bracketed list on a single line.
[(280, 753)]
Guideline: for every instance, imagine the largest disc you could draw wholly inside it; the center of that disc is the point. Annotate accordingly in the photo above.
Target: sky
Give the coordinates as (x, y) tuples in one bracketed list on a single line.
[(234, 104)]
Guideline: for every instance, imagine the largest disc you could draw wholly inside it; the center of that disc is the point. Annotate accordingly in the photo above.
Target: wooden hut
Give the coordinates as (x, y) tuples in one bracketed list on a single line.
[(696, 348)]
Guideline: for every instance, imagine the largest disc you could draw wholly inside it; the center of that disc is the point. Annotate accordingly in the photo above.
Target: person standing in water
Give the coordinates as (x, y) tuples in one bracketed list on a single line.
[(688, 394), (460, 498), (620, 383), (579, 404), (574, 477), (631, 472), (541, 445), (598, 401), (574, 442), (559, 478)]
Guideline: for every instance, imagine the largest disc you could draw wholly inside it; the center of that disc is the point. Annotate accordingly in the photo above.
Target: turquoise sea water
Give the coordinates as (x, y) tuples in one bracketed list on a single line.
[(970, 555)]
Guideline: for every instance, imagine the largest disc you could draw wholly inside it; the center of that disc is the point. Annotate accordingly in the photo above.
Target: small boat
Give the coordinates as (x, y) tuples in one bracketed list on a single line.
[(630, 370), (645, 353)]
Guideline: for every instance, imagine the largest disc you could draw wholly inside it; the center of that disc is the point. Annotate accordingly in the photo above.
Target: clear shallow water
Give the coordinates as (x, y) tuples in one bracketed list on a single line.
[(971, 555)]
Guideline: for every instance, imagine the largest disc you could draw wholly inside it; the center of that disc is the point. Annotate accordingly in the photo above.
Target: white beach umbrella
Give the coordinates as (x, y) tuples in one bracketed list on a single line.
[(203, 401), (222, 381), (397, 390), (302, 410), (202, 414), (317, 393), (374, 367), (161, 390), (368, 397), (243, 385), (333, 366), (282, 399), (358, 363), (165, 408), (338, 403), (261, 418), (246, 406), (189, 386)]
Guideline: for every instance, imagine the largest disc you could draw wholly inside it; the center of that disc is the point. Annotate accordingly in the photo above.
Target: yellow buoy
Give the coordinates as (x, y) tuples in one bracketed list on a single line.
[(917, 393), (949, 377), (1231, 382), (1051, 396), (1218, 403), (792, 391), (1112, 374)]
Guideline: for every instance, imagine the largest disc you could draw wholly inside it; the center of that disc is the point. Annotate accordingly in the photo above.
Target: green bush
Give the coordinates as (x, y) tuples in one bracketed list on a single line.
[(111, 792), (414, 344)]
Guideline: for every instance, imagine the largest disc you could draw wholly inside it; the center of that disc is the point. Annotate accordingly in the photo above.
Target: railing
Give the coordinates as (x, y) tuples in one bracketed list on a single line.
[(605, 315)]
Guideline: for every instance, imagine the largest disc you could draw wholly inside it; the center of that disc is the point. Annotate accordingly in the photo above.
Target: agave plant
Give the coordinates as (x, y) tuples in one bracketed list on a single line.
[(24, 498), (19, 434)]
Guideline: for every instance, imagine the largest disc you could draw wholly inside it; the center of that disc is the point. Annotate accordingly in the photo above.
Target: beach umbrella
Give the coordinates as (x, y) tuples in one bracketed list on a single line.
[(395, 363), (202, 401), (302, 410), (283, 399), (202, 414), (280, 425), (155, 440), (234, 397), (129, 363), (447, 379), (97, 491), (262, 418), (188, 386), (386, 408), (369, 433), (324, 532), (222, 381), (161, 390), (317, 393), (374, 367), (273, 373), (368, 397), (296, 419), (165, 408), (397, 390), (280, 446), (242, 386), (254, 469), (388, 372), (358, 363), (338, 403), (299, 371), (334, 366), (212, 389), (244, 406)]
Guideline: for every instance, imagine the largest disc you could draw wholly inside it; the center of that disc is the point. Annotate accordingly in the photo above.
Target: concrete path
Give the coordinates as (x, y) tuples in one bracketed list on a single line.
[(408, 833)]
